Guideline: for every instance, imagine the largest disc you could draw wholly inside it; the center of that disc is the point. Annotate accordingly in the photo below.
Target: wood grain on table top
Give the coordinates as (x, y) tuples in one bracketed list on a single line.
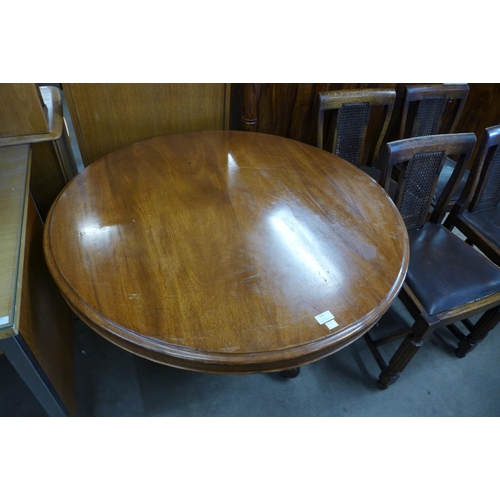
[(215, 251)]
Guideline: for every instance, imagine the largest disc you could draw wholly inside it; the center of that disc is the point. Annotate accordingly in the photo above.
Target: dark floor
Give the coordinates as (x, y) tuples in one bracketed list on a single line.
[(113, 382)]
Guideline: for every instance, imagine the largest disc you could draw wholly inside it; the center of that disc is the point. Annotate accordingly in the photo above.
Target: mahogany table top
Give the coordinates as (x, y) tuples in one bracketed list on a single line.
[(216, 251)]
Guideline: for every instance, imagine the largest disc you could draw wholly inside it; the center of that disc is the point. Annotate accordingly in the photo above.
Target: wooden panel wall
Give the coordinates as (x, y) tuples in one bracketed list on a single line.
[(291, 109), (482, 108), (107, 117)]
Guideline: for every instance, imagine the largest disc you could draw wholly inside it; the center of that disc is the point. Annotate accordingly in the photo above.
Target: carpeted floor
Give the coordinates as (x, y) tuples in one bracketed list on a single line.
[(113, 382)]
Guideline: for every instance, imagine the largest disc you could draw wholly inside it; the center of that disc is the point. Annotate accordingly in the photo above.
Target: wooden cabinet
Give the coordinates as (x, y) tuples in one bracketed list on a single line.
[(35, 321), (23, 113), (33, 115), (108, 116)]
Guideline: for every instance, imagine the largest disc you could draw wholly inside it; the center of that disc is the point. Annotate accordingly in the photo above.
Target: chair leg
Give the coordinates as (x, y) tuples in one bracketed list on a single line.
[(408, 348), (484, 325)]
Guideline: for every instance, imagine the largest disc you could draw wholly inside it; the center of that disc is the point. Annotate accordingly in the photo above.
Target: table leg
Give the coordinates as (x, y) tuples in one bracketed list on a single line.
[(291, 373), (23, 361)]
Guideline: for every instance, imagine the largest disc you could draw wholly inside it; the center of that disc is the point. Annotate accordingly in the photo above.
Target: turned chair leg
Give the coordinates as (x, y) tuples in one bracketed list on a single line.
[(405, 352), (484, 325)]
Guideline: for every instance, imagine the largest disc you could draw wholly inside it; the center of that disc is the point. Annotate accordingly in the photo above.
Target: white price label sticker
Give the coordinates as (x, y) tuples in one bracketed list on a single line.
[(324, 317), (332, 324)]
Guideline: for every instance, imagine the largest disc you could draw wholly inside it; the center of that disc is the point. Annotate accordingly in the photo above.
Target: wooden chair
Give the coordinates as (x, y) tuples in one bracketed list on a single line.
[(477, 213), (351, 125), (432, 110), (447, 280), (429, 108)]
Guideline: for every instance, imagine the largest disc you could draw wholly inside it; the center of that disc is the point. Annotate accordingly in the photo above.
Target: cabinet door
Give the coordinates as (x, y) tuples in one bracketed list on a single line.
[(109, 116), (22, 110)]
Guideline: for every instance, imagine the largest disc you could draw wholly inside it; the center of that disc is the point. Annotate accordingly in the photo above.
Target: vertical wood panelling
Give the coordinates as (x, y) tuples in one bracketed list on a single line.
[(107, 117), (302, 110), (482, 108), (291, 110), (22, 111)]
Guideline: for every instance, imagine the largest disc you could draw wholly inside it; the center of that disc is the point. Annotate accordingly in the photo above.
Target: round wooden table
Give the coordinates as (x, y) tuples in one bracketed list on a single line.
[(226, 251)]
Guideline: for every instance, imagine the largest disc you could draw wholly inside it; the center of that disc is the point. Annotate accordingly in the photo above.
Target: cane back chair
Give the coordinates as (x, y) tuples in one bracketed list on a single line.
[(447, 280), (432, 110), (354, 109)]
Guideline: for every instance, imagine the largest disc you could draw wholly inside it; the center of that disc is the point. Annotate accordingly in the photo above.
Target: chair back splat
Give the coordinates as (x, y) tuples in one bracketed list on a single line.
[(420, 161), (432, 110), (352, 121)]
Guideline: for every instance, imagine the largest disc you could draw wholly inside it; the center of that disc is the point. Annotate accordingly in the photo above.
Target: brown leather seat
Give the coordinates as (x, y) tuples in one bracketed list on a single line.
[(436, 271)]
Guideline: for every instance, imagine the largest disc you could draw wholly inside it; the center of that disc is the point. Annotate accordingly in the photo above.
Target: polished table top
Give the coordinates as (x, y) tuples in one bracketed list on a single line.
[(217, 251)]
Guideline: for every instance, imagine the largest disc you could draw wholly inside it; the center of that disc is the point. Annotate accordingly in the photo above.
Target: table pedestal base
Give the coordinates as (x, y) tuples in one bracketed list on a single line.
[(291, 373)]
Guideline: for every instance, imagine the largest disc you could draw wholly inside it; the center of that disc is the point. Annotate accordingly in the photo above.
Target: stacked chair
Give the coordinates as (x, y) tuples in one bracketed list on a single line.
[(477, 213), (449, 283)]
